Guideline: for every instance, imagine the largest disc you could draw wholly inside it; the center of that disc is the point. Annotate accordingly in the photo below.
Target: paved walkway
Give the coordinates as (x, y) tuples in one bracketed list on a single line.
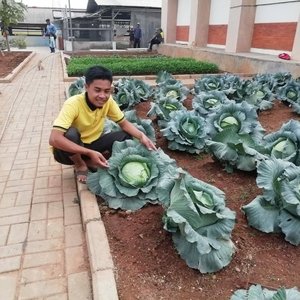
[(43, 251)]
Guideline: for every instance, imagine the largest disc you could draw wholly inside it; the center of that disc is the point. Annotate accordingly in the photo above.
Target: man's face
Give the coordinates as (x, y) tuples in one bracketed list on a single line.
[(98, 92)]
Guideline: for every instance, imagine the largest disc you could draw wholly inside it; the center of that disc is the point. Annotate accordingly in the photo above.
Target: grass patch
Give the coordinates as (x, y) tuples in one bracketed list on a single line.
[(140, 65)]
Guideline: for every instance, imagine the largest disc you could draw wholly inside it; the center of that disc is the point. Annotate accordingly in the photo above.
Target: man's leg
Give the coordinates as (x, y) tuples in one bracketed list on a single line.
[(67, 158), (106, 141)]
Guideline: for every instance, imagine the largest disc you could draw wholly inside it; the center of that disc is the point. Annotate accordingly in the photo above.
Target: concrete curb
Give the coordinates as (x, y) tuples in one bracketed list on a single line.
[(17, 70), (101, 263)]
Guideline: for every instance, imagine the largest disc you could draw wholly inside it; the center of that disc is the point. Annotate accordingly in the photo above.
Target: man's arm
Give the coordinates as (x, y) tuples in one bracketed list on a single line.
[(133, 131), (59, 141)]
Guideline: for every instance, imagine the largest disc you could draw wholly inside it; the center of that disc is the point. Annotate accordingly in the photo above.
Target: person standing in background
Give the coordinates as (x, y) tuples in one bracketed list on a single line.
[(137, 32), (52, 43), (131, 36), (50, 28)]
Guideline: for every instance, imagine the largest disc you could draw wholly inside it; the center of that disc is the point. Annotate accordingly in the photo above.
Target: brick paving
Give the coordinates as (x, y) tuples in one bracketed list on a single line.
[(43, 253)]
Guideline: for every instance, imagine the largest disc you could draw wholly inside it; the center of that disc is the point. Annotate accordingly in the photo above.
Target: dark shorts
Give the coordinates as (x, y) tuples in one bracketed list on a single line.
[(103, 144)]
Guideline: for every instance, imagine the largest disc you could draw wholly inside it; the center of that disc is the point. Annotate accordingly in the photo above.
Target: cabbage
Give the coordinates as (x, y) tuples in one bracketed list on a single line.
[(185, 131), (242, 117), (135, 176), (205, 103), (285, 142), (278, 209), (77, 87), (256, 292), (163, 107), (200, 224)]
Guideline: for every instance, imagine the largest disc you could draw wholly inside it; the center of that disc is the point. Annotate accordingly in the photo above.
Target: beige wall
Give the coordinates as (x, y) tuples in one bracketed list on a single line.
[(241, 34)]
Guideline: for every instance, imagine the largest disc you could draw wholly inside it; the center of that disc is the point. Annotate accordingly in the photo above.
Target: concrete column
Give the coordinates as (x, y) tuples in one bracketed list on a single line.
[(296, 45), (200, 12), (240, 25), (169, 20)]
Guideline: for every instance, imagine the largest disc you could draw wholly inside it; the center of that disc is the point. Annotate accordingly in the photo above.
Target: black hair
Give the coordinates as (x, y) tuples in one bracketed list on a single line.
[(98, 72), (47, 20)]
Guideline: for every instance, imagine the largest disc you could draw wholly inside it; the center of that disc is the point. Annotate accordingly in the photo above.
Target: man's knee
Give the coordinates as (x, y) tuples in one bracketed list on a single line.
[(63, 157)]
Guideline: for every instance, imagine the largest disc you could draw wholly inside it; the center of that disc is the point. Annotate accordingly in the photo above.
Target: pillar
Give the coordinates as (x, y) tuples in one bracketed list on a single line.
[(240, 25), (169, 20), (199, 25), (296, 46)]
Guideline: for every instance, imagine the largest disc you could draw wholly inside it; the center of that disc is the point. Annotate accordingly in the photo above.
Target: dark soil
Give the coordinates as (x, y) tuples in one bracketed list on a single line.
[(147, 265), (10, 61)]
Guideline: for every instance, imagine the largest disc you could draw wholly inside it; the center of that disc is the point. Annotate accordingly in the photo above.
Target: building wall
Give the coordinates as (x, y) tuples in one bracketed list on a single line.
[(218, 23), (275, 25), (273, 28), (183, 21)]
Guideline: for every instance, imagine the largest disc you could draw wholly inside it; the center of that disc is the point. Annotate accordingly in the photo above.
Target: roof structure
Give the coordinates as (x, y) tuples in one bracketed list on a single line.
[(36, 15), (131, 3)]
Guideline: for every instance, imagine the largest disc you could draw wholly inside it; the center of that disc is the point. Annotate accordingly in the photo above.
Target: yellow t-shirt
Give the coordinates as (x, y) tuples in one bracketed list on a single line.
[(90, 123)]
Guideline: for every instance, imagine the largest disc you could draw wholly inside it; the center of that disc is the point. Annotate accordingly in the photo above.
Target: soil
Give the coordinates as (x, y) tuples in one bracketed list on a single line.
[(10, 61), (147, 265)]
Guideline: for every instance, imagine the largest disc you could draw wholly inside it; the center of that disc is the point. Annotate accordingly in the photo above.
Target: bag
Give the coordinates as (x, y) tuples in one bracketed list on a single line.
[(284, 56)]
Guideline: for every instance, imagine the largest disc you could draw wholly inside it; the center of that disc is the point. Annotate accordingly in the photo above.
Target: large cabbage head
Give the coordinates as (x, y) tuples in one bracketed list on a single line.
[(185, 131), (208, 83), (163, 107), (171, 88), (239, 117), (285, 142), (135, 176), (205, 103)]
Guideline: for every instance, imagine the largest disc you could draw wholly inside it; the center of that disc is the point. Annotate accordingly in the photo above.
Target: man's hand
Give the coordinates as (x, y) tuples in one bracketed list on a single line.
[(147, 142), (98, 159)]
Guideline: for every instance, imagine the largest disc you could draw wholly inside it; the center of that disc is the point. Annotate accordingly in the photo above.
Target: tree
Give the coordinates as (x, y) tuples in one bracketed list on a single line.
[(11, 12)]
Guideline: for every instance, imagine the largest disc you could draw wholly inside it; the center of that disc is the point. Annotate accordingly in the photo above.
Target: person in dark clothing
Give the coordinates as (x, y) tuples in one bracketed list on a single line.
[(157, 39), (137, 32), (131, 37)]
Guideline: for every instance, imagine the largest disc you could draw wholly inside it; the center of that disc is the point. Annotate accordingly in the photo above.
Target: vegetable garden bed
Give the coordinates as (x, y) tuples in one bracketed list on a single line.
[(147, 264), (141, 64)]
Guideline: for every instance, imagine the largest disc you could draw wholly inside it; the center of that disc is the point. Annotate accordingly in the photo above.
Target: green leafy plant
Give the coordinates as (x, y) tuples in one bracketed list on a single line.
[(135, 176), (77, 87), (11, 12), (19, 43), (240, 117), (139, 65), (145, 125), (208, 83), (278, 209), (257, 292), (129, 92), (162, 108), (285, 142), (200, 224), (205, 103), (171, 88), (235, 150), (290, 94), (185, 131)]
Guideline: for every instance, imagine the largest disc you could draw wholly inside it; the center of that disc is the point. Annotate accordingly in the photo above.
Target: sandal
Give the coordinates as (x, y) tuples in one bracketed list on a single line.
[(81, 176)]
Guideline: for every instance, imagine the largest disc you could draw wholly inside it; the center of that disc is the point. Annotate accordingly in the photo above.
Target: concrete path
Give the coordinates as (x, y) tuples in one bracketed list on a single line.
[(43, 251)]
